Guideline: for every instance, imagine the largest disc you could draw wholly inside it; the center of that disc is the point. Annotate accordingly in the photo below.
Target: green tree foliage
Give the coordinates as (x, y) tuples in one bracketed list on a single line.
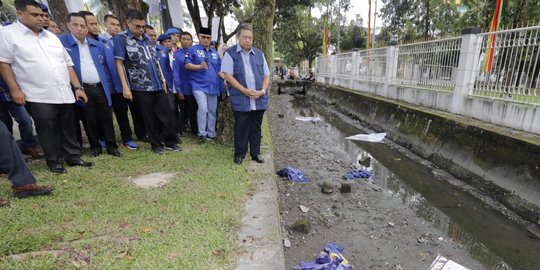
[(299, 37), (353, 36)]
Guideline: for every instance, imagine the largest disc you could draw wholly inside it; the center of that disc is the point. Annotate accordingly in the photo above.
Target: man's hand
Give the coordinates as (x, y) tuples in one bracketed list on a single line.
[(180, 96), (81, 94), (126, 92), (203, 65), (256, 94), (18, 97)]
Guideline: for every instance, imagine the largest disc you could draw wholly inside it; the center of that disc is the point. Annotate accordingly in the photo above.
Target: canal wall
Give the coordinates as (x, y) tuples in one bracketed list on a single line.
[(501, 163)]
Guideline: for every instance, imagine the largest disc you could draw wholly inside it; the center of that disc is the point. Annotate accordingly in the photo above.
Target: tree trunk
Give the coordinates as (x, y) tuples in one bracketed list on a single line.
[(119, 8), (59, 12)]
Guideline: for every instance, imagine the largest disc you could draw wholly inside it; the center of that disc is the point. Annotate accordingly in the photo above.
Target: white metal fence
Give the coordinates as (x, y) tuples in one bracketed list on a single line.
[(371, 65), (431, 65), (509, 65)]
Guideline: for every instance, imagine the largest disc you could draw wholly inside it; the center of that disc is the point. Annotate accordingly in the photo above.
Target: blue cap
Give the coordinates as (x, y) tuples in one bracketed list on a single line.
[(43, 7), (172, 31), (163, 37), (6, 23)]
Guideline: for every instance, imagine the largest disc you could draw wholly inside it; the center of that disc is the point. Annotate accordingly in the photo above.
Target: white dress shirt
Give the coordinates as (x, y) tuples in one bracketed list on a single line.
[(89, 73), (39, 62)]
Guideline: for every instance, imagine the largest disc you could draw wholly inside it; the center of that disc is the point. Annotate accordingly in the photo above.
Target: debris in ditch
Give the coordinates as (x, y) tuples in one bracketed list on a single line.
[(308, 119), (373, 137), (302, 225), (356, 174), (286, 242), (345, 188), (442, 263), (293, 174), (330, 259), (304, 209), (327, 187), (391, 224), (280, 115)]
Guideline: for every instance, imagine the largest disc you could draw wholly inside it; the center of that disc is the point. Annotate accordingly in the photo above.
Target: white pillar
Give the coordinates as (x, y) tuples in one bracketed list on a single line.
[(332, 65), (354, 69), (391, 67), (467, 68)]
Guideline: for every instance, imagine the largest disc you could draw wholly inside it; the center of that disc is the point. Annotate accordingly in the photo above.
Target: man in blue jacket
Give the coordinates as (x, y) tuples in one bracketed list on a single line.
[(88, 57), (248, 76), (205, 64), (166, 60), (187, 102)]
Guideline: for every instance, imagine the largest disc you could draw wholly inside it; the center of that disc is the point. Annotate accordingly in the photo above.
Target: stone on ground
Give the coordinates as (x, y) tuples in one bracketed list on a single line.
[(302, 225)]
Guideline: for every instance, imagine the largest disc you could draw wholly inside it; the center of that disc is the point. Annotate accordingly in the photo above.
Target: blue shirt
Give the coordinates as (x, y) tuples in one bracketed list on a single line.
[(164, 63), (4, 91), (205, 80), (116, 84), (180, 73), (227, 66), (140, 61)]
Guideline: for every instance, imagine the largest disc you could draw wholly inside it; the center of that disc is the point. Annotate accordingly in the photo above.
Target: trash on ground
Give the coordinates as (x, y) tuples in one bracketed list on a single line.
[(293, 174), (442, 263), (357, 174), (308, 119), (345, 187), (329, 259), (286, 242), (304, 209), (302, 225), (373, 137), (327, 187)]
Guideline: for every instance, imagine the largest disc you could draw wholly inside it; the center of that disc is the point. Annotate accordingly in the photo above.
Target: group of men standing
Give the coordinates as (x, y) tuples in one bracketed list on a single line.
[(165, 87)]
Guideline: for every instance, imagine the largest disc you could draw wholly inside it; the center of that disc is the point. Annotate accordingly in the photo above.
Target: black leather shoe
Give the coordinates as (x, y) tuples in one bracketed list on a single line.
[(258, 159), (95, 152), (114, 153), (80, 162), (238, 160), (57, 169)]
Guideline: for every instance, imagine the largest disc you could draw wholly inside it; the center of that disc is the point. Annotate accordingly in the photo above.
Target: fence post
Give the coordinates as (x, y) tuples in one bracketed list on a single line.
[(391, 66), (354, 68), (466, 71), (332, 64)]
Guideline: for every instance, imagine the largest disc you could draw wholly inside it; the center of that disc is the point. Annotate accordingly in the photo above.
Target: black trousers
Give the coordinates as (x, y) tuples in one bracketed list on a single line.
[(188, 113), (56, 131), (157, 117), (98, 117), (11, 160), (5, 117), (79, 118), (247, 128), (120, 107), (174, 104)]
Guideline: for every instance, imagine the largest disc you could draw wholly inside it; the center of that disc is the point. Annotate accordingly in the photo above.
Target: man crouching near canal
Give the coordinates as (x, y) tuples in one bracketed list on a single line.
[(247, 73)]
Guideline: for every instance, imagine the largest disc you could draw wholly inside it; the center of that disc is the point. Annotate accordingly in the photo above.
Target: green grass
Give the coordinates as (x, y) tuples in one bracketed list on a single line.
[(100, 220)]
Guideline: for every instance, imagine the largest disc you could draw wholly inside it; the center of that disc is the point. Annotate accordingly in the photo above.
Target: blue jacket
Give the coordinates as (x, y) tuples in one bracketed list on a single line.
[(239, 101), (165, 64), (116, 84), (180, 73), (4, 91), (205, 80), (98, 56)]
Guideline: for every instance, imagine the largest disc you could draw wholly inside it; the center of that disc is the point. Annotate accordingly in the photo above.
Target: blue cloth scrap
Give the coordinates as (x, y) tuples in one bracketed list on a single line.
[(330, 259), (294, 175), (357, 174)]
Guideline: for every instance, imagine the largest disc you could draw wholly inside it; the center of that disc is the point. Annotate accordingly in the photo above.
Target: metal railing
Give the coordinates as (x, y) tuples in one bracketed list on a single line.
[(344, 64), (324, 66), (371, 65), (431, 65), (509, 65)]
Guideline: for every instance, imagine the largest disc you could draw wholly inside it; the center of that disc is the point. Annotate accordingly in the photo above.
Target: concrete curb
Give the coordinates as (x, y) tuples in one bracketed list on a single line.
[(259, 236)]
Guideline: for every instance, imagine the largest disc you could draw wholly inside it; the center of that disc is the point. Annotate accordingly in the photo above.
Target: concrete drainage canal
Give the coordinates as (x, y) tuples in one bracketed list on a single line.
[(402, 217)]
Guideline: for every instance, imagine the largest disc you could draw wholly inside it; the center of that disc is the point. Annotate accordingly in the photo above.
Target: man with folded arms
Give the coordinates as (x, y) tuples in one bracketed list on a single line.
[(38, 71)]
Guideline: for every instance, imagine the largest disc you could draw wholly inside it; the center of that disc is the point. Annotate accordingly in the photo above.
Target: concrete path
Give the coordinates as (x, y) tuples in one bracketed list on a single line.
[(259, 237)]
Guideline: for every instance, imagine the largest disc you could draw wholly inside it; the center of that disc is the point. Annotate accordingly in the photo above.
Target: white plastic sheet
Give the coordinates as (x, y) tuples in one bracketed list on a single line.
[(308, 119), (442, 263), (373, 137)]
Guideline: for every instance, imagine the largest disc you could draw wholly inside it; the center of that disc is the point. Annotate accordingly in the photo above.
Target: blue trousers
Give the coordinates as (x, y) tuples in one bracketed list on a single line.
[(206, 113), (11, 160), (26, 129)]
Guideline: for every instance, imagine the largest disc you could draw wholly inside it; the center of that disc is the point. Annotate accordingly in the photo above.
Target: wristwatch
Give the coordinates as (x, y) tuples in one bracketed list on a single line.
[(79, 88), (264, 91)]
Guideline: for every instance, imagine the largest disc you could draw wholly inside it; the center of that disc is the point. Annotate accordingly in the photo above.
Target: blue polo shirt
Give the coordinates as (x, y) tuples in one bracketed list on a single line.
[(4, 91), (205, 80), (180, 73), (140, 61)]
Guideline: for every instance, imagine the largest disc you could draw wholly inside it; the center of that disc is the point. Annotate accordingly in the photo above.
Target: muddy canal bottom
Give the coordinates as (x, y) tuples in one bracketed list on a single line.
[(401, 218)]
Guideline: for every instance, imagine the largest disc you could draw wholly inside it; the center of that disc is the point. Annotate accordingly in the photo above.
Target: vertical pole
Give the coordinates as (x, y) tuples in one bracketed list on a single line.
[(354, 69), (391, 66), (467, 69)]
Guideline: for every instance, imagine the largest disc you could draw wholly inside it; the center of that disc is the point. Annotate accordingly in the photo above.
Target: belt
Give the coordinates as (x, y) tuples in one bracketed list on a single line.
[(92, 85)]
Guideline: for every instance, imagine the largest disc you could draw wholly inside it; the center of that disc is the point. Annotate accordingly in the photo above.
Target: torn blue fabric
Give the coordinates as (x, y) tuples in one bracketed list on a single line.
[(330, 259), (294, 175), (357, 174)]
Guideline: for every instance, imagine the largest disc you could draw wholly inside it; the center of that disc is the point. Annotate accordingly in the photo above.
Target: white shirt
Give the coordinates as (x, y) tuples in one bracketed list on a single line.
[(40, 64), (89, 73)]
